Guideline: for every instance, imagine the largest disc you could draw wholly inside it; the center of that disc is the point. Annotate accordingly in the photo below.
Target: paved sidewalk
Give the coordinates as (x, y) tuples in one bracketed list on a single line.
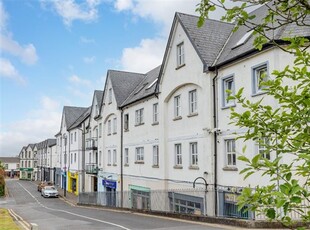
[(69, 197)]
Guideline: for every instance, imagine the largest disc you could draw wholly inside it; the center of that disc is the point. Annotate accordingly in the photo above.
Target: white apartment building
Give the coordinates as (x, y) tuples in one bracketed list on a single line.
[(28, 162), (69, 147), (11, 166), (46, 156)]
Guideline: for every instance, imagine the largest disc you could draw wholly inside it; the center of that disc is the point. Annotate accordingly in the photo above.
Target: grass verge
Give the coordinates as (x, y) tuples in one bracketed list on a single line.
[(6, 221)]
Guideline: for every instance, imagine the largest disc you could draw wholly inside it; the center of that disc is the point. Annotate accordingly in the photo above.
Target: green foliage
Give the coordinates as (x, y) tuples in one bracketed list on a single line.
[(287, 127)]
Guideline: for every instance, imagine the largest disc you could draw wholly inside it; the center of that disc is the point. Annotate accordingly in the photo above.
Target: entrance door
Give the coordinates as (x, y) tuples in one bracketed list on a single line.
[(95, 182), (111, 197)]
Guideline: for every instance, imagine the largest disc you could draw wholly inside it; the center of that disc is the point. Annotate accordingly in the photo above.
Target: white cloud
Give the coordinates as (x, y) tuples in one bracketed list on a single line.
[(3, 18), (144, 57), (160, 11), (70, 11), (9, 71), (39, 124), (89, 59), (26, 53), (123, 5), (79, 81), (86, 40)]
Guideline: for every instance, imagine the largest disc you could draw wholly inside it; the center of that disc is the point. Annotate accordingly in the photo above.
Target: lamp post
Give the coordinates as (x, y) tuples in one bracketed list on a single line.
[(65, 161)]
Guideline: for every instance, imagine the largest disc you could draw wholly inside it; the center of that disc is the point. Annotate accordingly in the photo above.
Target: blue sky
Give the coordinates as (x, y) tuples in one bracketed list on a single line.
[(56, 53)]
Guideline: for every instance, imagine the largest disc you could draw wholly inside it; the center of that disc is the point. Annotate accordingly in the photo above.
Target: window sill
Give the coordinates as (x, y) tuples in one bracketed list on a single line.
[(177, 118), (126, 130), (139, 162), (230, 168), (155, 123), (180, 66), (193, 167), (155, 166), (258, 93), (192, 114), (228, 106), (139, 124), (178, 167), (126, 165)]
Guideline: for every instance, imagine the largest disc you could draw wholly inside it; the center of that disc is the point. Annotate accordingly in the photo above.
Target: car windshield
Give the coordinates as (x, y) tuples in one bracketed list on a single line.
[(49, 188)]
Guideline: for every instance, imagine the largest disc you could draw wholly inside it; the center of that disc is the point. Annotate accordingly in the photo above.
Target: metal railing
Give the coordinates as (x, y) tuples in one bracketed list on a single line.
[(91, 144), (91, 168)]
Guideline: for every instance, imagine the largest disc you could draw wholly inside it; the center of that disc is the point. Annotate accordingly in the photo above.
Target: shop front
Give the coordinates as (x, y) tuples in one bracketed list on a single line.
[(228, 205), (107, 185), (140, 197), (73, 179), (26, 173)]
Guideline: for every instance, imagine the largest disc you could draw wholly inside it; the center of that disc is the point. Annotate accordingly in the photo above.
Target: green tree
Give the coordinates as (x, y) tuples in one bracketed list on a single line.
[(287, 128)]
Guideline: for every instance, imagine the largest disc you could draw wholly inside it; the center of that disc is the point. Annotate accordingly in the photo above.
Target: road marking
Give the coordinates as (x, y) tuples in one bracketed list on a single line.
[(20, 220), (71, 213)]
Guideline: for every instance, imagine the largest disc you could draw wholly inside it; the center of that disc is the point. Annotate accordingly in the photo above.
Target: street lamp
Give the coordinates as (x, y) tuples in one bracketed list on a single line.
[(65, 161)]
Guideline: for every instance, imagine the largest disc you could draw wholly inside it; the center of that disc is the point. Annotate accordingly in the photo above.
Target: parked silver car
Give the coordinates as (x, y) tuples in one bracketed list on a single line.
[(49, 191)]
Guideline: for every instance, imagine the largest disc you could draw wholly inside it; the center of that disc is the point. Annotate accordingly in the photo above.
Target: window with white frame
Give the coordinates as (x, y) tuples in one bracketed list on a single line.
[(74, 136), (228, 90), (126, 122), (259, 77), (193, 153), (262, 145), (71, 139), (139, 116), (109, 127), (230, 149), (178, 154), (192, 96), (126, 156), (114, 157), (180, 54), (74, 157), (139, 154), (109, 157), (100, 157), (177, 106), (114, 125), (100, 129), (110, 95), (155, 113), (155, 155)]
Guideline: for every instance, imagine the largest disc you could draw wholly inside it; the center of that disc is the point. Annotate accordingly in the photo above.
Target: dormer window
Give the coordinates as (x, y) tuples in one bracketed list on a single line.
[(180, 54), (243, 39)]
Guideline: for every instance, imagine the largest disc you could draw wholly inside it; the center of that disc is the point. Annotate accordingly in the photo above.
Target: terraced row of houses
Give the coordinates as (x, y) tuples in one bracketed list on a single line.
[(168, 129)]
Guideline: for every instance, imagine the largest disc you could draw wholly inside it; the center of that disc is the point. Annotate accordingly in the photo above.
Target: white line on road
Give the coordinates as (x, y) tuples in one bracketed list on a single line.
[(71, 213), (20, 220)]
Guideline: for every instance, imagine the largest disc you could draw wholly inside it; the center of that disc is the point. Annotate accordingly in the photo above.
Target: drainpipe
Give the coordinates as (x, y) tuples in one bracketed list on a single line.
[(83, 158), (122, 140), (215, 140)]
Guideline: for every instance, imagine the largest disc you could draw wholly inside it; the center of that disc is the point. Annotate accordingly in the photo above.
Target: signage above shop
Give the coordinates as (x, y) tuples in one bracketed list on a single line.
[(109, 184)]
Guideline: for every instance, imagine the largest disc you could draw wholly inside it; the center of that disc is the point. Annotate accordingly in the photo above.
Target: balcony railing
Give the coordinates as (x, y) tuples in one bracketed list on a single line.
[(91, 144), (91, 168)]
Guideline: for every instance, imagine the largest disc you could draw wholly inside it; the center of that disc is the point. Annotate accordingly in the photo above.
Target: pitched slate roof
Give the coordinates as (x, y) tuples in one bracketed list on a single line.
[(145, 88), (99, 95), (123, 83), (232, 52), (72, 114), (209, 39), (9, 160), (32, 146), (81, 119)]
